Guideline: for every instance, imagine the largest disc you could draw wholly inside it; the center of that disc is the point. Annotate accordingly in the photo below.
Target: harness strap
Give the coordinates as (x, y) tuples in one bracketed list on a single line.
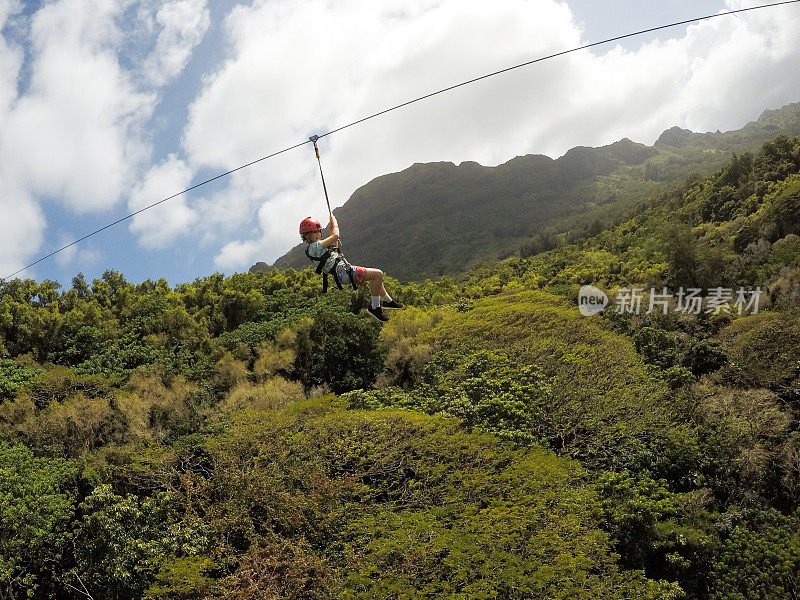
[(322, 260), (333, 272)]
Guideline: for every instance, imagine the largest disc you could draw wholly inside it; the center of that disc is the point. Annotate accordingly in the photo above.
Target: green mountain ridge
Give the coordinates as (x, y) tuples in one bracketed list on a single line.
[(769, 124), (440, 218)]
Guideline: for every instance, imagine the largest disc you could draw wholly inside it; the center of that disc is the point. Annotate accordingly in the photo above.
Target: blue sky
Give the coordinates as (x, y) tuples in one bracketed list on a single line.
[(108, 106)]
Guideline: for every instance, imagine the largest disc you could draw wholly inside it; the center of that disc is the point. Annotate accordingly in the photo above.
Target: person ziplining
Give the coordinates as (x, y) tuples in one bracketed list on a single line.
[(327, 253)]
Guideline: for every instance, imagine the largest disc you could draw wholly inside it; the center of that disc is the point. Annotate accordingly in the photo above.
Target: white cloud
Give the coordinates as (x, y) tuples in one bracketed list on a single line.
[(77, 127), (162, 225), (84, 256), (235, 254), (74, 134), (231, 209), (301, 68), (274, 236), (11, 57), (183, 25), (21, 230), (75, 131), (8, 8), (755, 61)]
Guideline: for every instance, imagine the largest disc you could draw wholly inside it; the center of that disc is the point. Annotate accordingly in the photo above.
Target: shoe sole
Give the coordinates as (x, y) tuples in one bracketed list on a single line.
[(376, 318), (392, 307)]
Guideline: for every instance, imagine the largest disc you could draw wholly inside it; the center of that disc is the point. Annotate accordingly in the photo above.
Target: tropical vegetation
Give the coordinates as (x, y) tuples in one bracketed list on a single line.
[(248, 437)]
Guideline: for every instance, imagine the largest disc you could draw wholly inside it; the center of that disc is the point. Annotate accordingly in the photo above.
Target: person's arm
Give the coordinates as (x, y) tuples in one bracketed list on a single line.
[(333, 229)]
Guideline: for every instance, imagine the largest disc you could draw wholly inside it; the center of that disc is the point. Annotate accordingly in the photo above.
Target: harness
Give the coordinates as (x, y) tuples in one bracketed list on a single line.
[(338, 258)]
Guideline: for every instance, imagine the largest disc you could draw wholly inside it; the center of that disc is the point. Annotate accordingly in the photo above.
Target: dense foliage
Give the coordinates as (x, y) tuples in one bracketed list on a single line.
[(247, 437)]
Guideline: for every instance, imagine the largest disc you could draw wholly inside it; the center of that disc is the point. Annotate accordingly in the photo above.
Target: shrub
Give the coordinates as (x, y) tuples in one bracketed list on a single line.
[(340, 350), (764, 351), (406, 353), (605, 407), (657, 346), (268, 395), (37, 504), (60, 384), (15, 377), (704, 356), (357, 504), (121, 542), (758, 561)]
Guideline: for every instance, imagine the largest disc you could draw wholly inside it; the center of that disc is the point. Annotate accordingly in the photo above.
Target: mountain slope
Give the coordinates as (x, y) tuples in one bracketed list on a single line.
[(435, 218), (439, 218)]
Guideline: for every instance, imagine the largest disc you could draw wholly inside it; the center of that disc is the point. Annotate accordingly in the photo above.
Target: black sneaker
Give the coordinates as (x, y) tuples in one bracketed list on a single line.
[(377, 313), (391, 304)]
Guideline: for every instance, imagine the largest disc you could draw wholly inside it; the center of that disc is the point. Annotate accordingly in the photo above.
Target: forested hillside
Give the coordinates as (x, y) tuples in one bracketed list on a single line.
[(247, 437), (440, 218)]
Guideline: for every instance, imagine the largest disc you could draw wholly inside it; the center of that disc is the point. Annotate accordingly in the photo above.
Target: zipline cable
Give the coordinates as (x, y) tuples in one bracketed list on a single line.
[(313, 139), (133, 214), (557, 54), (398, 106)]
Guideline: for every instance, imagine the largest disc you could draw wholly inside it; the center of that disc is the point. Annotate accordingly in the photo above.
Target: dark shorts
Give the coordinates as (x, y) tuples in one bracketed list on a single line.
[(360, 275)]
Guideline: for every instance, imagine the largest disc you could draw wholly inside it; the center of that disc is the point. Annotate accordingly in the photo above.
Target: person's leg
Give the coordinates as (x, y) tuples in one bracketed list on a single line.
[(375, 278)]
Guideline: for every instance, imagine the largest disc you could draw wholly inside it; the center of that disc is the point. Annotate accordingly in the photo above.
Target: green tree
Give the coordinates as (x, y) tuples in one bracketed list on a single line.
[(759, 561), (121, 543), (14, 377), (37, 504), (339, 350), (484, 389), (681, 251), (704, 356), (657, 346)]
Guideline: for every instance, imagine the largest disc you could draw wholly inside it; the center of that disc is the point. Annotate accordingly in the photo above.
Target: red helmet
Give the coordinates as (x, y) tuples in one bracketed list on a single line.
[(308, 225)]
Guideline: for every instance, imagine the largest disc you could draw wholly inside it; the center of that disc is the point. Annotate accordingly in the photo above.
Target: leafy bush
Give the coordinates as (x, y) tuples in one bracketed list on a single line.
[(741, 437), (15, 377), (764, 351), (484, 389), (357, 504), (60, 384), (666, 534), (37, 504), (407, 354), (340, 350), (657, 346), (267, 395), (121, 543), (758, 560), (598, 382), (704, 356)]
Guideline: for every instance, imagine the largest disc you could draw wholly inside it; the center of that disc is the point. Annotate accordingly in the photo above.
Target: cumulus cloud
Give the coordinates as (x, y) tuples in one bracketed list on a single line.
[(272, 234), (73, 134), (7, 8), (11, 57), (163, 224), (74, 128), (183, 26), (230, 210), (21, 229), (301, 68), (22, 221), (77, 126), (755, 60), (81, 256)]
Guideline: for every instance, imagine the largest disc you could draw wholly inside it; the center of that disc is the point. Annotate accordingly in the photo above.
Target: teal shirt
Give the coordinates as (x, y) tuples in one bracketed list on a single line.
[(316, 249)]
